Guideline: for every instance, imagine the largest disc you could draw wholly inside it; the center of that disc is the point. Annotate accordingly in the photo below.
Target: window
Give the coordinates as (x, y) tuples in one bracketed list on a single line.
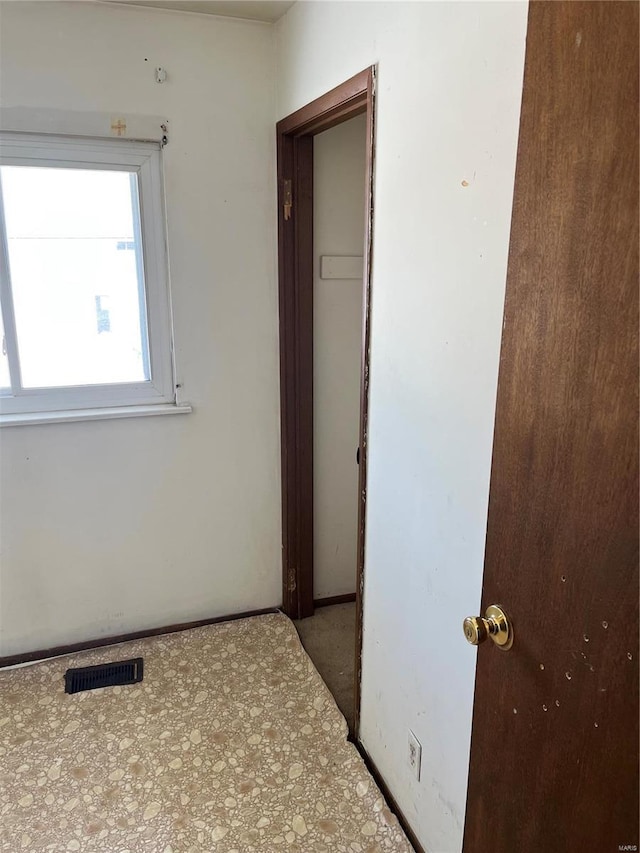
[(84, 301)]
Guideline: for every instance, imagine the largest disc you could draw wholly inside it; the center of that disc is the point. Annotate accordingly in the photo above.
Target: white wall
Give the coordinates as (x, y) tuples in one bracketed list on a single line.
[(449, 88), (114, 526), (339, 204)]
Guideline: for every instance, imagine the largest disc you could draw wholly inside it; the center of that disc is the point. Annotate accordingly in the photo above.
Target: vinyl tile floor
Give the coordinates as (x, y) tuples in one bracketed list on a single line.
[(231, 743)]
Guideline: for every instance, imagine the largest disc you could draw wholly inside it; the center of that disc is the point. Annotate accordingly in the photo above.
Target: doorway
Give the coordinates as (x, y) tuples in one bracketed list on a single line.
[(339, 169), (302, 279)]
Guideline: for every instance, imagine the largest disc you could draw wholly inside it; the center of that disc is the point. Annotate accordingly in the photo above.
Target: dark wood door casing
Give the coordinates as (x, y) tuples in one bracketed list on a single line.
[(295, 280), (295, 274), (295, 259), (554, 762)]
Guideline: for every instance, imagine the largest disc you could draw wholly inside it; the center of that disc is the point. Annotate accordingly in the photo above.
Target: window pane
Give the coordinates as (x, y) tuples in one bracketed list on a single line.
[(75, 258)]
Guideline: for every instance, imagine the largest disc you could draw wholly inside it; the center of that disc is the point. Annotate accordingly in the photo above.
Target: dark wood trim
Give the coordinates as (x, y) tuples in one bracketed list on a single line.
[(295, 249), (295, 275), (295, 279), (57, 651), (348, 598), (386, 793), (364, 387), (347, 100)]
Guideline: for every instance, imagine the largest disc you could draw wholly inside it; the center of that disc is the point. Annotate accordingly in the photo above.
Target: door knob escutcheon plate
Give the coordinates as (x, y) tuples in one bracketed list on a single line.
[(495, 624)]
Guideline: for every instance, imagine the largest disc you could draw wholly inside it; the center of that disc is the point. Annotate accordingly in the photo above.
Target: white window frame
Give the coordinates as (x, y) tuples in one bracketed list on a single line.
[(145, 160)]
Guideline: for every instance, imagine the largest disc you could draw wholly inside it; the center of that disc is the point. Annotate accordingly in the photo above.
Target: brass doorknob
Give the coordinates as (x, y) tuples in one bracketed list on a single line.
[(495, 624)]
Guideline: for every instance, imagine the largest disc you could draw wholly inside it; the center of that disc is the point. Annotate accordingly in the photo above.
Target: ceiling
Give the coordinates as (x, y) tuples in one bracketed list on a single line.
[(254, 10)]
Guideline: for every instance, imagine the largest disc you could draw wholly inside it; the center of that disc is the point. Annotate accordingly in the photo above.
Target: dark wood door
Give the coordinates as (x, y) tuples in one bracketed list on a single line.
[(554, 763)]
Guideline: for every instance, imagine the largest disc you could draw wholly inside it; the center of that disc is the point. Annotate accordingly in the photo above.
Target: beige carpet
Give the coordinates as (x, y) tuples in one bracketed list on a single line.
[(230, 744), (329, 638)]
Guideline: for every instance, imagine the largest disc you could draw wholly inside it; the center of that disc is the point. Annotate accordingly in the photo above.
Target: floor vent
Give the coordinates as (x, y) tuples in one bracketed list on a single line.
[(103, 675)]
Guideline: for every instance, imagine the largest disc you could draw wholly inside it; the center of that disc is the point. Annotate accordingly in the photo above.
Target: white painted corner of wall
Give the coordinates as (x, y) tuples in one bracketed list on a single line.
[(114, 526), (339, 184)]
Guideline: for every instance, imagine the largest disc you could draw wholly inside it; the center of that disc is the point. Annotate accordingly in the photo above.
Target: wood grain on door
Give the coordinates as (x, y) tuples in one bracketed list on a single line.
[(555, 730)]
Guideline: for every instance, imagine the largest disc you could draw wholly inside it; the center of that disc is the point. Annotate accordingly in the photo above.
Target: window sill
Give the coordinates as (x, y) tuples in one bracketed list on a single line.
[(104, 414)]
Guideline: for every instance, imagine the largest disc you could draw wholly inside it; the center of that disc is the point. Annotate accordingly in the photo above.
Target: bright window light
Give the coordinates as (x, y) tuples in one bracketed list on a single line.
[(76, 275), (83, 287)]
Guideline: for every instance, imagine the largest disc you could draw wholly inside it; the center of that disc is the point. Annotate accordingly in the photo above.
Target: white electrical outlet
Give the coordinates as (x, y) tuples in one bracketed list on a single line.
[(415, 754)]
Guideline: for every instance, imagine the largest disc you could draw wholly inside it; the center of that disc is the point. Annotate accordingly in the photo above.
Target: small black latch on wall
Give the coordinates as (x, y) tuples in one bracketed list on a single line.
[(103, 675)]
